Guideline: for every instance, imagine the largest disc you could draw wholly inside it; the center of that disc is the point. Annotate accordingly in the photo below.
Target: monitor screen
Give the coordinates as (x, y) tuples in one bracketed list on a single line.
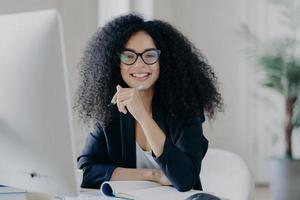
[(36, 141)]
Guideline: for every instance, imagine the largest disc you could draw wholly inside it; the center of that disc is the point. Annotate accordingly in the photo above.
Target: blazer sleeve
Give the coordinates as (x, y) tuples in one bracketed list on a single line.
[(181, 161), (92, 160)]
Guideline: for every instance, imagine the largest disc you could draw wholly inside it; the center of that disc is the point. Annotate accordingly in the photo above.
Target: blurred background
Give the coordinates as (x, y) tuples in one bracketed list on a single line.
[(230, 34)]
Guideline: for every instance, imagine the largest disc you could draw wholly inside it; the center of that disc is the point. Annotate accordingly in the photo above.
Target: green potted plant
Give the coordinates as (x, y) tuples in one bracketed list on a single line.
[(279, 60)]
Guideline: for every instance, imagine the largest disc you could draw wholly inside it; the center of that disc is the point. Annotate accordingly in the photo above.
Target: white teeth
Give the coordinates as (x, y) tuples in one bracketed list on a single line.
[(140, 75)]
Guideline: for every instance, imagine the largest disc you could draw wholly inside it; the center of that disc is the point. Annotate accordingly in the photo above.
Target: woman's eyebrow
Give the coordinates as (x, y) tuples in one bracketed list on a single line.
[(137, 52)]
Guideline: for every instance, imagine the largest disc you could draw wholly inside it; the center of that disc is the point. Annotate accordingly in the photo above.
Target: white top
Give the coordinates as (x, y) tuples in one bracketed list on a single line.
[(144, 159)]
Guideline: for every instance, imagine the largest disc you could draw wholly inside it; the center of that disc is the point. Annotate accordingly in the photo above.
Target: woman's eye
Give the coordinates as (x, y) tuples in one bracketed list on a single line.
[(130, 56), (150, 56), (127, 57)]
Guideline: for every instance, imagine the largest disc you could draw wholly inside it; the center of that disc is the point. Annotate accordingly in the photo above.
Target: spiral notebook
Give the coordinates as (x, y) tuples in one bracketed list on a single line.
[(144, 190)]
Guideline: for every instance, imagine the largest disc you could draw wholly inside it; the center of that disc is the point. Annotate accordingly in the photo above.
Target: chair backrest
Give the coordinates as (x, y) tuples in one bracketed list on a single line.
[(226, 175)]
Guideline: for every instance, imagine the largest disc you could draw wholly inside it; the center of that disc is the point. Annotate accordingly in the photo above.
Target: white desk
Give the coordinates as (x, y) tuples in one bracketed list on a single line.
[(89, 194), (95, 195), (85, 194)]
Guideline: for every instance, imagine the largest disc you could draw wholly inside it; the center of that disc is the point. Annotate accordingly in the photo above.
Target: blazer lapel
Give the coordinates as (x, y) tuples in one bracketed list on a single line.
[(128, 140), (159, 117)]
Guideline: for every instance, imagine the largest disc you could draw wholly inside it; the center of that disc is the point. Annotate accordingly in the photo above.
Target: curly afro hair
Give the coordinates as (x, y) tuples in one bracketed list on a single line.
[(186, 87)]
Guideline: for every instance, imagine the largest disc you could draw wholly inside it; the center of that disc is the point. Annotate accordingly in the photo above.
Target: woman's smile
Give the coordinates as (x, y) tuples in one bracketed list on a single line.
[(140, 76)]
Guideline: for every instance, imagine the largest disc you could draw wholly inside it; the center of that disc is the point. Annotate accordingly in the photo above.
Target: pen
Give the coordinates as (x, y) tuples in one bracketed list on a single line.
[(139, 88)]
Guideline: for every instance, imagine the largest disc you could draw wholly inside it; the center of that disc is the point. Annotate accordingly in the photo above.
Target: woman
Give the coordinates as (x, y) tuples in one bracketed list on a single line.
[(146, 88)]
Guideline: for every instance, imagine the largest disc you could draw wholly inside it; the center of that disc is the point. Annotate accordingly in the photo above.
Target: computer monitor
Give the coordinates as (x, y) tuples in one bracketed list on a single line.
[(36, 141)]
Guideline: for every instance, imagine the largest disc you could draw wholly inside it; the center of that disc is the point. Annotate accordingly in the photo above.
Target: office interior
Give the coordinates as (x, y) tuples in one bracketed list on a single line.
[(252, 123)]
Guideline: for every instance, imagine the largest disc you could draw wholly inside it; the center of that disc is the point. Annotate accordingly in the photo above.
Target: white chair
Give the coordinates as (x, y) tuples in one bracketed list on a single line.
[(226, 175)]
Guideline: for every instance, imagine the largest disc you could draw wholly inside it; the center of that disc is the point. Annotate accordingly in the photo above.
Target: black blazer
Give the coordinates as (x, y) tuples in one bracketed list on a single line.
[(114, 146)]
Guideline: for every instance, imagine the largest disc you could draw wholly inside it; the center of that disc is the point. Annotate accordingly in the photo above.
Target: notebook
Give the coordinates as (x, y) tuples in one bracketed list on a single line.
[(145, 190)]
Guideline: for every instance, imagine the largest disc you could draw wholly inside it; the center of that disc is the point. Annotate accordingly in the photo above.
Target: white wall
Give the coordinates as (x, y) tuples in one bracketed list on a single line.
[(110, 9)]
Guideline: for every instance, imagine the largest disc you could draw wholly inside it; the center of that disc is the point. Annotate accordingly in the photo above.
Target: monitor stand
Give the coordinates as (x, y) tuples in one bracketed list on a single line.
[(45, 196)]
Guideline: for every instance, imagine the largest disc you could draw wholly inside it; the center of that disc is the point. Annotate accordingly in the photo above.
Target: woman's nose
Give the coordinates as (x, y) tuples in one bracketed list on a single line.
[(139, 62)]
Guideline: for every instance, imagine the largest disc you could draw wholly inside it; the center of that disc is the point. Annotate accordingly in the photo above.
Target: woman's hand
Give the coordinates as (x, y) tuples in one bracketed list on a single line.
[(128, 99), (160, 177), (125, 174)]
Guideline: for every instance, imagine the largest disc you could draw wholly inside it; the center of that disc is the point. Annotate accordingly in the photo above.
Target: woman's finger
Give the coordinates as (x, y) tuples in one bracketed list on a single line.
[(126, 91), (120, 104), (120, 89), (114, 99), (121, 107), (125, 95), (125, 104)]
